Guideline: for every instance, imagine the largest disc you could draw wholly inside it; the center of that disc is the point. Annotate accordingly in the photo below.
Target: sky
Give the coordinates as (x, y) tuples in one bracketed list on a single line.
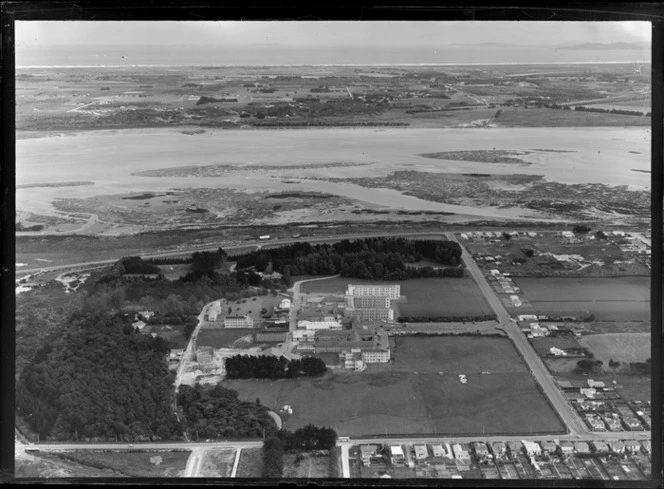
[(387, 34)]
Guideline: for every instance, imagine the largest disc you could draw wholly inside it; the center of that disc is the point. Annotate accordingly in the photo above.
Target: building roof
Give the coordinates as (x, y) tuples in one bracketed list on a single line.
[(270, 337)]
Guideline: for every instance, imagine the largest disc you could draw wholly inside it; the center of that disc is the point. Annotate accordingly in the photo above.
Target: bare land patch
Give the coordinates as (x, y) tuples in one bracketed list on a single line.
[(217, 462), (130, 463)]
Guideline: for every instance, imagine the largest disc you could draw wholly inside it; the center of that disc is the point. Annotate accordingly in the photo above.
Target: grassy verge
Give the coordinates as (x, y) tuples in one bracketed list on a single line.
[(251, 463)]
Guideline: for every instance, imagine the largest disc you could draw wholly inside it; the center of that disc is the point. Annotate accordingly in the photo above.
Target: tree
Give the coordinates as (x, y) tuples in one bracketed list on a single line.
[(613, 365), (581, 229), (600, 234), (507, 236)]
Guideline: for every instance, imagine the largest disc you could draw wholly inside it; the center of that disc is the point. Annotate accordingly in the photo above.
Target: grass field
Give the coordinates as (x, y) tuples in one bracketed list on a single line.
[(609, 299), (251, 463), (223, 338), (410, 396), (309, 467), (566, 118), (129, 463), (443, 297), (218, 463), (543, 345), (424, 297), (174, 334), (622, 347)]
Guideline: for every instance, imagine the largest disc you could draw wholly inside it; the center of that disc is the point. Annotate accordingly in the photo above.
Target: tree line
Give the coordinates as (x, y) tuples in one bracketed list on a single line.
[(216, 412), (370, 258), (272, 367), (308, 438)]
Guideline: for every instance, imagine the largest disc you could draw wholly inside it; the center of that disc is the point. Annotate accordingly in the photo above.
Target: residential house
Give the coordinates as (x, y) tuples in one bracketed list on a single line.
[(531, 448), (632, 424), (613, 424), (514, 447), (367, 452), (548, 447), (459, 452), (396, 452), (557, 352), (481, 449), (617, 446), (596, 384), (421, 452), (566, 447), (581, 447), (498, 448), (633, 446), (437, 450), (600, 446), (588, 392), (646, 446)]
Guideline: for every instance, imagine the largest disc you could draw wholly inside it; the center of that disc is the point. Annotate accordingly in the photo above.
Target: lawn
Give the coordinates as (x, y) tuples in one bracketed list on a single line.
[(174, 334), (622, 347), (424, 296), (443, 297), (132, 463), (250, 464), (608, 298), (223, 338), (543, 345), (218, 463), (410, 396), (308, 467)]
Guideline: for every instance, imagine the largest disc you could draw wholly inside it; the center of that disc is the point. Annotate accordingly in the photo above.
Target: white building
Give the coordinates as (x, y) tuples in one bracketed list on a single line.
[(377, 356), (421, 452), (531, 447), (370, 314), (238, 322), (313, 324), (285, 304), (438, 450), (557, 352), (459, 452), (391, 291)]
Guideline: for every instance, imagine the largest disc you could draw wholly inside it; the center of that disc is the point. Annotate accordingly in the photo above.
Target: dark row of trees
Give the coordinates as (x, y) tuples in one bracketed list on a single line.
[(135, 264), (216, 412), (272, 367), (582, 108), (208, 261), (446, 319), (370, 258)]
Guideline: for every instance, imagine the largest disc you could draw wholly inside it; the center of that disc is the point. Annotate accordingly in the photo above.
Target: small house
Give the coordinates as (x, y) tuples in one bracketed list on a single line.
[(548, 446), (581, 447), (617, 446), (514, 447), (566, 447), (532, 448), (437, 450), (600, 446), (498, 448), (421, 452), (396, 451)]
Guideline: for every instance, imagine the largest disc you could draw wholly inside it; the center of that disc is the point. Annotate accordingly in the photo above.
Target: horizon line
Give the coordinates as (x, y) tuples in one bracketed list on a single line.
[(198, 65)]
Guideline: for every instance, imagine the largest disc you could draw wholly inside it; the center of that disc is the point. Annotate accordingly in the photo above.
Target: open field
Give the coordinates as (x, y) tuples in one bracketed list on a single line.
[(608, 298), (410, 396), (129, 463), (424, 296), (543, 345), (310, 467), (225, 338), (174, 334), (622, 347), (50, 466), (250, 464), (217, 463), (443, 297), (535, 117)]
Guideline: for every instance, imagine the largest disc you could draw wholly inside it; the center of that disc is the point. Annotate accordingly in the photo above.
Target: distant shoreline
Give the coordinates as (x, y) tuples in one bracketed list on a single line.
[(207, 65)]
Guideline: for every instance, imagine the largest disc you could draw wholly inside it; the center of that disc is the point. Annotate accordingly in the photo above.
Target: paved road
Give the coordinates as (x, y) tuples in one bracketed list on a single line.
[(174, 445), (532, 359)]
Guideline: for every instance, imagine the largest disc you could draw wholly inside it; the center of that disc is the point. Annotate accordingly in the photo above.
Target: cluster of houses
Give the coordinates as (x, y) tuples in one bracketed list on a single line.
[(493, 458), (603, 409)]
